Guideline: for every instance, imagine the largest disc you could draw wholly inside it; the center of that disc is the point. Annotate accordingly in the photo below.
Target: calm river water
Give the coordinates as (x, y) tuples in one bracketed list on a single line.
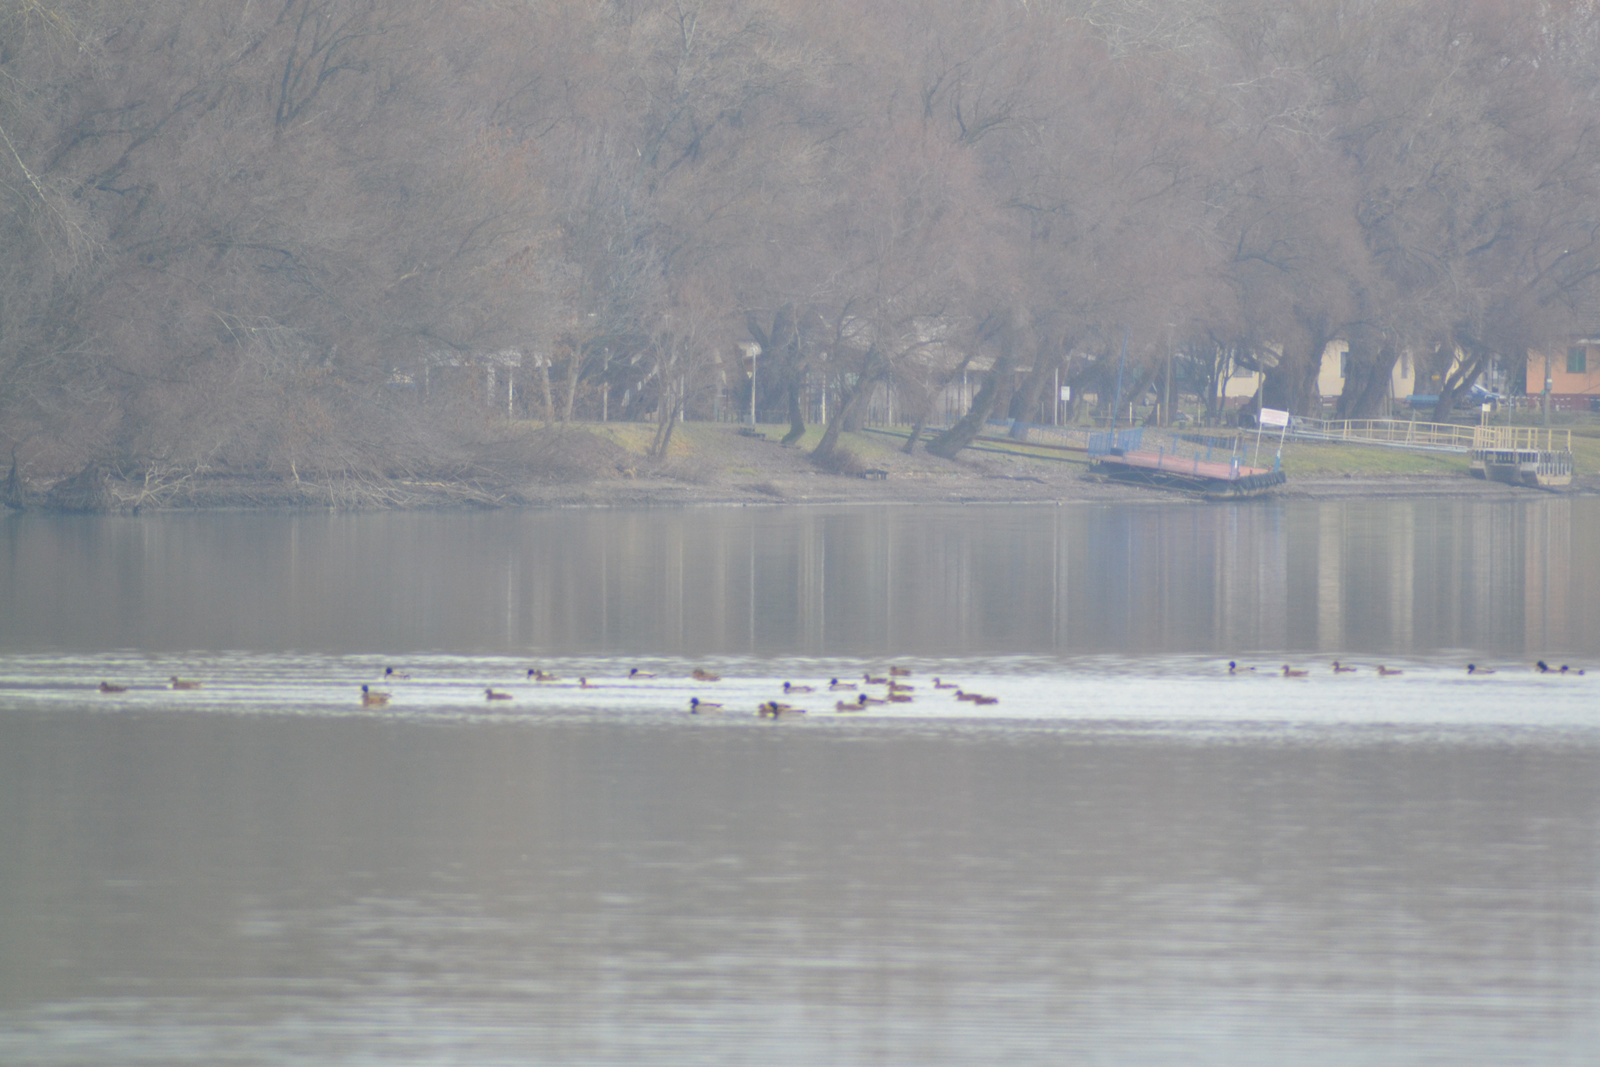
[(1133, 857)]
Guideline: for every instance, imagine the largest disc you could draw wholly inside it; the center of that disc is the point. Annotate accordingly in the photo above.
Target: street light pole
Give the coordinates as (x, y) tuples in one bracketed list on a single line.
[(753, 356), (1548, 385)]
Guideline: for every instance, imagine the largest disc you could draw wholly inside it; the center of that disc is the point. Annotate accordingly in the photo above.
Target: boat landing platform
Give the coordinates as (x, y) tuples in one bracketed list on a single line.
[(1213, 479)]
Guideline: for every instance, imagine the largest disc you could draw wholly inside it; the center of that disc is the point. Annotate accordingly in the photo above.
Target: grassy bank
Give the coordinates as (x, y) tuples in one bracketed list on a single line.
[(718, 443), (1322, 460), (608, 464), (707, 443)]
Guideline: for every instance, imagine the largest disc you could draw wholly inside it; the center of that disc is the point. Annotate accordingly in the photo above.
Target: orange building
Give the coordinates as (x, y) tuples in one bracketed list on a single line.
[(1574, 380)]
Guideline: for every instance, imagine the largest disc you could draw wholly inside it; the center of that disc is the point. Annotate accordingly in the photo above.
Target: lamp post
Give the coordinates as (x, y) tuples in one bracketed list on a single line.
[(755, 352), (1548, 385)]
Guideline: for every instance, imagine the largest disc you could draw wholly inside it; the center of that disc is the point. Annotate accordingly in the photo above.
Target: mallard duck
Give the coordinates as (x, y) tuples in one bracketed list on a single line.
[(372, 698), (986, 700), (541, 676), (107, 687), (849, 705), (943, 685), (696, 705), (492, 694), (1234, 668), (864, 700), (1384, 672), (870, 680), (583, 683), (790, 687), (179, 683), (899, 672), (1542, 667), (772, 709), (1339, 668), (703, 675), (635, 672), (390, 673), (900, 687), (899, 698), (1473, 668), (1289, 672), (962, 694), (1569, 670), (835, 684)]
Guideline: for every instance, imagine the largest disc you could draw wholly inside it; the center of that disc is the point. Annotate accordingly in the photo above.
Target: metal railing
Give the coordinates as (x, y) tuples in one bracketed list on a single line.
[(1431, 436), (1107, 442), (1394, 433), (1520, 439)]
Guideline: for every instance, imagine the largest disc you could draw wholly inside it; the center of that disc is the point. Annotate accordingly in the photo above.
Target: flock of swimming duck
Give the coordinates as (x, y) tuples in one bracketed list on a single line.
[(1541, 667), (895, 691)]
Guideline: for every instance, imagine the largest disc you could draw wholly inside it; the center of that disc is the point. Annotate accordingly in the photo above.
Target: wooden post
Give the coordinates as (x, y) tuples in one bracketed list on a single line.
[(1166, 407)]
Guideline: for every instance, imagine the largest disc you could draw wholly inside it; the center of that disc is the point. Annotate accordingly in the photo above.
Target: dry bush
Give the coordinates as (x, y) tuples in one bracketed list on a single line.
[(841, 461), (689, 469), (551, 456)]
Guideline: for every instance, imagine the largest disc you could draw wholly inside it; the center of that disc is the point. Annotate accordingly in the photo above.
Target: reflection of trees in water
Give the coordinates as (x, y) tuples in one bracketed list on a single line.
[(1394, 576), (1331, 576)]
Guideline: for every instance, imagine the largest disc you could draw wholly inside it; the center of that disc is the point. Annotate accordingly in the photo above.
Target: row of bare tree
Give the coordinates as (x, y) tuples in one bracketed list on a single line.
[(228, 223)]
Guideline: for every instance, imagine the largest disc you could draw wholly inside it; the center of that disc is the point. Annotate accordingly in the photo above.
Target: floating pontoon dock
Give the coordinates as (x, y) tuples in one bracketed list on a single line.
[(1523, 455), (1210, 467)]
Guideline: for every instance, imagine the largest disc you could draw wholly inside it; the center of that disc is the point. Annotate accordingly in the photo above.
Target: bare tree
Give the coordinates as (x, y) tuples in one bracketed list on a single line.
[(232, 230)]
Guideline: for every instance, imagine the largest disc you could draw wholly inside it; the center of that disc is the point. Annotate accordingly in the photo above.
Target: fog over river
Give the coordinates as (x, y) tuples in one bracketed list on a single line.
[(1133, 857)]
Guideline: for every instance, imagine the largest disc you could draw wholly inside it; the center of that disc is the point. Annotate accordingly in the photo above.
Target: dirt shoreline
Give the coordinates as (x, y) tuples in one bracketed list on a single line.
[(719, 466), (999, 491)]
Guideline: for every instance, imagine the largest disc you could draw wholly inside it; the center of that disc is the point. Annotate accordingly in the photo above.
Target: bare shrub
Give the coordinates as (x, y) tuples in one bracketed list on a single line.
[(689, 469), (841, 460), (550, 456)]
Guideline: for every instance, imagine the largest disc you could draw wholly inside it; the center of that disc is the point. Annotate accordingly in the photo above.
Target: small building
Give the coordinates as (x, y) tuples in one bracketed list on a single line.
[(1239, 385), (1336, 368), (1573, 381)]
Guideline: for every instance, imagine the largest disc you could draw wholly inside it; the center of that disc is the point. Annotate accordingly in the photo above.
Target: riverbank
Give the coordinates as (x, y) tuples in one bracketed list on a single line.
[(605, 465), (716, 464)]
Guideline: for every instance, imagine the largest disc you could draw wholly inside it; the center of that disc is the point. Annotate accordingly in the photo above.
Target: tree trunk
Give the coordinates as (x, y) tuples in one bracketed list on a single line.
[(959, 436), (1367, 385), (916, 432), (856, 417), (844, 410), (1025, 401), (780, 348), (830, 435), (1291, 385), (1459, 380), (1089, 378), (544, 382), (1215, 383), (666, 419), (797, 418), (11, 493), (574, 365), (1141, 386)]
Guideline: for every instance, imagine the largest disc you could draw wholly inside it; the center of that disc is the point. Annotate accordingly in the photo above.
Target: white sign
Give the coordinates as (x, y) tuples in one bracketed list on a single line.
[(1066, 393), (1274, 417)]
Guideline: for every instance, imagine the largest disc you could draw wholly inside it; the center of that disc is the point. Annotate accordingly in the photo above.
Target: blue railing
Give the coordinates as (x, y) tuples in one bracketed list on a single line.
[(1102, 444)]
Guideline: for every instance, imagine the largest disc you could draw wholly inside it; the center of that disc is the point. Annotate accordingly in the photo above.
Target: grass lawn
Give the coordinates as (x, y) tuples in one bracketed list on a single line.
[(1585, 453), (708, 443), (1305, 459)]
